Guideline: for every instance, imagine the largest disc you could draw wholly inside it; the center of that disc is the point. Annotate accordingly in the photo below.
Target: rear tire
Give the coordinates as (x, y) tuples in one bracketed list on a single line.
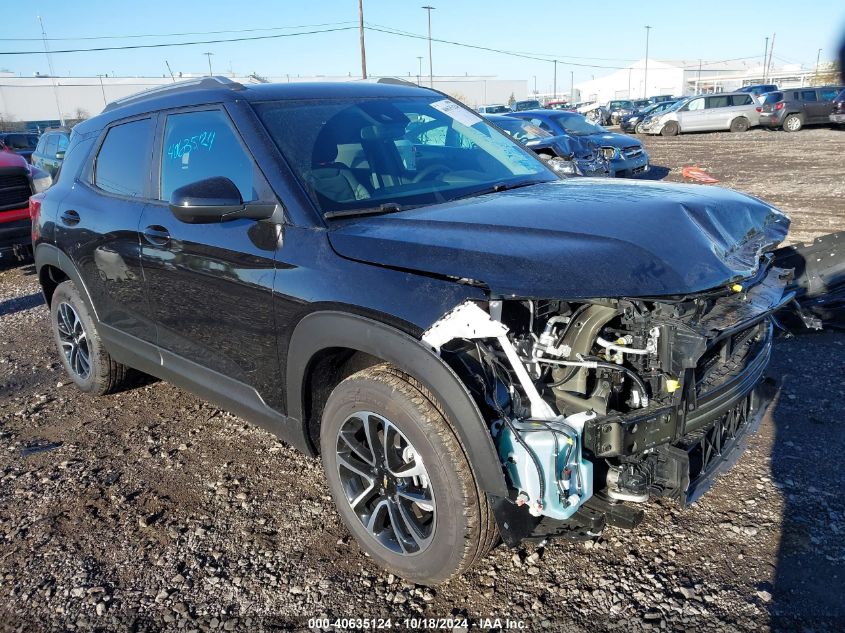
[(793, 123), (81, 350), (670, 129), (383, 423), (740, 124)]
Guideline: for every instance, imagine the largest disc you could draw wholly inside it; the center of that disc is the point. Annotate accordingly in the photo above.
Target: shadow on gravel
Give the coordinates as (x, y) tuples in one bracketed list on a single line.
[(655, 172), (19, 304), (809, 586)]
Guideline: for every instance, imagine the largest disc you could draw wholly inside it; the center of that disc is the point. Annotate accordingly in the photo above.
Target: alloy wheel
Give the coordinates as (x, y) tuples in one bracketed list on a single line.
[(73, 341), (385, 483)]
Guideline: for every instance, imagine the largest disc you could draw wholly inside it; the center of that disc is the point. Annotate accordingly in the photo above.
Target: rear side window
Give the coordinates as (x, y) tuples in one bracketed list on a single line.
[(740, 100), (121, 166), (200, 145), (773, 97), (808, 95), (721, 101)]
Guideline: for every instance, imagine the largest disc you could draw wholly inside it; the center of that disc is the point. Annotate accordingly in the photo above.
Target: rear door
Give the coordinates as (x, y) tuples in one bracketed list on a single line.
[(210, 285), (97, 226)]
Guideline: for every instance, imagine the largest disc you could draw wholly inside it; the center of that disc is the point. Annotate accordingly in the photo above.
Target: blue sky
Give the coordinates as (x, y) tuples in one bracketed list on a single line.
[(713, 30)]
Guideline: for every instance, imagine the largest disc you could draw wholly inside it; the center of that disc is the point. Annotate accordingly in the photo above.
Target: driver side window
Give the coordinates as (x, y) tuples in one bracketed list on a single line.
[(695, 104)]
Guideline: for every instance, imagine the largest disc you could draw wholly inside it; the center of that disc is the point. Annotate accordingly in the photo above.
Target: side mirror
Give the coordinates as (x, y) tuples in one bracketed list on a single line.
[(215, 200)]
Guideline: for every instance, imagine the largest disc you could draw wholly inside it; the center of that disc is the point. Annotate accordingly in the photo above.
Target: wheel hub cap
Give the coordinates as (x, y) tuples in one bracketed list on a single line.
[(73, 341), (385, 483)]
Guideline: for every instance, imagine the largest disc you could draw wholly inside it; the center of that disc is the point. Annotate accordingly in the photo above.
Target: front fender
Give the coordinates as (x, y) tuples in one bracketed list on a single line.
[(326, 329)]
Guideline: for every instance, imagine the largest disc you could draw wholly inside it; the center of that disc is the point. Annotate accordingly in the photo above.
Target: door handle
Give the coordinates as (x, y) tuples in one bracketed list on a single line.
[(70, 217), (156, 235)]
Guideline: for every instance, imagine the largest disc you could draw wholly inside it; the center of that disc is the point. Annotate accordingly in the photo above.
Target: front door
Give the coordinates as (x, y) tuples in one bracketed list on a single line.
[(210, 285), (691, 116)]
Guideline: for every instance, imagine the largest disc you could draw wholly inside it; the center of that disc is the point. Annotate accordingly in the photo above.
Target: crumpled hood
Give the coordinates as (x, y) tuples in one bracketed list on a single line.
[(612, 139), (566, 146), (577, 238)]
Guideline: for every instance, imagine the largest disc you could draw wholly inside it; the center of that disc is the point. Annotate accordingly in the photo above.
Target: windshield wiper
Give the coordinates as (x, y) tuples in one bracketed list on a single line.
[(387, 207), (502, 186)]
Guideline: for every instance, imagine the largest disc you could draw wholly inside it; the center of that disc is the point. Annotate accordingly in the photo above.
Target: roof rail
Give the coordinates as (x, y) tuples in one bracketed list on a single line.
[(201, 83)]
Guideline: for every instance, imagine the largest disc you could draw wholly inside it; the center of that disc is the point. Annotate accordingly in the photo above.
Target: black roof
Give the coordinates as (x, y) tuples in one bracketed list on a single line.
[(221, 90)]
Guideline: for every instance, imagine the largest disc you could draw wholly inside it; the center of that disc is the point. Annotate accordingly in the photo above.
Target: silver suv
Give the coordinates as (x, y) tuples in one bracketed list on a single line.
[(734, 111)]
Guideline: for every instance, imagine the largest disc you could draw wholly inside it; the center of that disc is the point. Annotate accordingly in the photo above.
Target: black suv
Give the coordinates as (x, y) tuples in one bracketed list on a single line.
[(475, 347), (794, 108)]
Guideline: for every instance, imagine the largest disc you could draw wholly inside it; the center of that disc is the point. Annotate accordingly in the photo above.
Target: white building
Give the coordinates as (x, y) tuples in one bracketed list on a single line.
[(40, 99), (685, 77)]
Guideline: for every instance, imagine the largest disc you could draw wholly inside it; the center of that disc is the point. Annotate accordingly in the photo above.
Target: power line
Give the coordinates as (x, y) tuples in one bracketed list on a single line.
[(168, 44), (121, 37)]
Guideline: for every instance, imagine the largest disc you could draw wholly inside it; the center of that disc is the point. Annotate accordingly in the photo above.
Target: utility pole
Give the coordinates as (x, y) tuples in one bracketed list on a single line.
[(554, 90), (167, 63), (698, 81), (210, 74), (361, 34), (645, 78), (430, 67), (771, 54), (818, 57), (419, 72), (535, 86), (571, 87), (50, 68), (765, 55)]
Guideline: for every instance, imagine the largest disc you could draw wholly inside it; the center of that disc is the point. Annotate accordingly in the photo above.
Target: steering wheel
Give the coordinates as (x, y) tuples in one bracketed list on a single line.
[(428, 171)]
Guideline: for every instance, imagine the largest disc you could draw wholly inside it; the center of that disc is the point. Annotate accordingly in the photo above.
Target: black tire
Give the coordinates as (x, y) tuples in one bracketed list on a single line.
[(671, 128), (103, 374), (792, 123), (740, 124), (461, 529)]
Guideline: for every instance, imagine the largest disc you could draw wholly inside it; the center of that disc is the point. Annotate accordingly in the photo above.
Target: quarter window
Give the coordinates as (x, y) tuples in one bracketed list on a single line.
[(200, 145), (122, 163)]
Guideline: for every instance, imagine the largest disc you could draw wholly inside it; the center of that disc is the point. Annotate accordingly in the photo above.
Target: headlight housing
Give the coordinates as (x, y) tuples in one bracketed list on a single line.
[(610, 152), (562, 166)]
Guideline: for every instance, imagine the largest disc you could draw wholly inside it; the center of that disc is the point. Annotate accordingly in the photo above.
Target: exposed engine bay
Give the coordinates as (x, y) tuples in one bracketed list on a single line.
[(624, 398)]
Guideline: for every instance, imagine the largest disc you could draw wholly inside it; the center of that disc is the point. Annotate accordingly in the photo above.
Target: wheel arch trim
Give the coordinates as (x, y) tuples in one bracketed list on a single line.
[(327, 329), (50, 255)]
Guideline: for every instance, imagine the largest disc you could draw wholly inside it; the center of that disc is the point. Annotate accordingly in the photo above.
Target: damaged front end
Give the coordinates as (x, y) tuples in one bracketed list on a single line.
[(595, 403)]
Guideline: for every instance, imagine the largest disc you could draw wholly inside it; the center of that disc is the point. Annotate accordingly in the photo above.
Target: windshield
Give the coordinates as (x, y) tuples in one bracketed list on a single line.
[(523, 131), (21, 141), (362, 153), (578, 125)]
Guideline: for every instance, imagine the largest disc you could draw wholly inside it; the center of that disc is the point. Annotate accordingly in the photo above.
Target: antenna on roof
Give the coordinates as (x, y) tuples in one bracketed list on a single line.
[(167, 63)]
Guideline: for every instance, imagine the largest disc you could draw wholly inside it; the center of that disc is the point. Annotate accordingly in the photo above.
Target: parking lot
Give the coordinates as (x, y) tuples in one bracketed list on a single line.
[(212, 523)]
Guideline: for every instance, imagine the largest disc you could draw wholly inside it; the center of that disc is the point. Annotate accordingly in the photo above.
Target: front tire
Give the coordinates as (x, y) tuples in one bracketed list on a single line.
[(400, 478), (670, 129), (81, 350)]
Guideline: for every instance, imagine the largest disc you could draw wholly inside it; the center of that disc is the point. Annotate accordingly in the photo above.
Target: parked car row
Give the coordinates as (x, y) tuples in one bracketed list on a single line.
[(18, 181)]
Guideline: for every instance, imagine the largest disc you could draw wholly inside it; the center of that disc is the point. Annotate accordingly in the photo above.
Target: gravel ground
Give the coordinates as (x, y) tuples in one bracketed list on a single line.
[(151, 510)]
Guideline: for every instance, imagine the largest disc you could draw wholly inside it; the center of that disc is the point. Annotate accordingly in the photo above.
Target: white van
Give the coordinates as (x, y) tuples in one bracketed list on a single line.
[(734, 111)]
